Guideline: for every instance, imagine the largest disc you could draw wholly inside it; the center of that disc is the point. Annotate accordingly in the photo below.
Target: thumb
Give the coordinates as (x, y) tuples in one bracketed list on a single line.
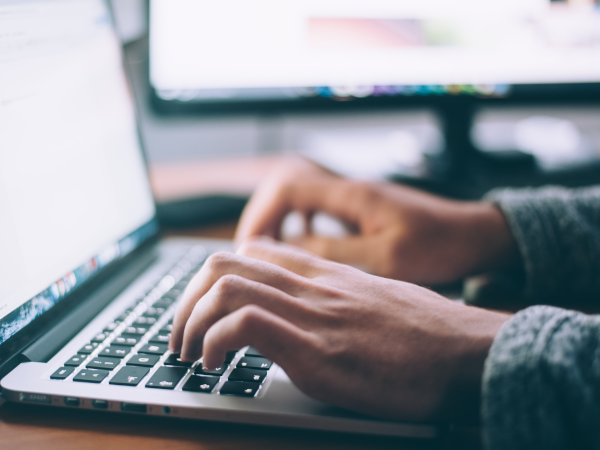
[(352, 250)]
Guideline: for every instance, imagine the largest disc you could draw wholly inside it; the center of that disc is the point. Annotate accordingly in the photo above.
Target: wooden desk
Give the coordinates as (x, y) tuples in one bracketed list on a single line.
[(28, 427)]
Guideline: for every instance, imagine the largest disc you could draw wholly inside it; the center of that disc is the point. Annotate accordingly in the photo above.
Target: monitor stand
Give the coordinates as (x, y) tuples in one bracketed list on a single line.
[(464, 171)]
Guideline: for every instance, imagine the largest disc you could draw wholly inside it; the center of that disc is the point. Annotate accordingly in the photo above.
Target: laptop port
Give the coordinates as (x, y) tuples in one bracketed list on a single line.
[(133, 407), (71, 401), (36, 398), (100, 404), (166, 410)]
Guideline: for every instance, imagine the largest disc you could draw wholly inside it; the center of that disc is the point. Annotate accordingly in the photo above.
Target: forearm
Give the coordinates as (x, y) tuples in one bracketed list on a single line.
[(541, 383)]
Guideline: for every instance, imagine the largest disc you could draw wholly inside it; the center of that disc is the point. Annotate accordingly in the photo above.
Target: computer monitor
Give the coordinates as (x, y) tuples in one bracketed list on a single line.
[(453, 54), (268, 50)]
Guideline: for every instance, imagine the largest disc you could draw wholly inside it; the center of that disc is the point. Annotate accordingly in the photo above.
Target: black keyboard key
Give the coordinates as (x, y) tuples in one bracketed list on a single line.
[(149, 321), (240, 388), (129, 376), (181, 285), (229, 356), (166, 377), (175, 360), (117, 351), (253, 375), (102, 362), (140, 299), (204, 371), (188, 278), (124, 316), (254, 362), (163, 303), (62, 373), (129, 340), (198, 383), (253, 352), (88, 348), (75, 360), (154, 349), (91, 376), (143, 360), (138, 331), (176, 292), (173, 294), (162, 338), (111, 327), (100, 337), (154, 312)]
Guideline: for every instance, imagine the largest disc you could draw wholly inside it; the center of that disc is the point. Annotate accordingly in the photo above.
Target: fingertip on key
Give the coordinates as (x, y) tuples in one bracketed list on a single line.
[(213, 363)]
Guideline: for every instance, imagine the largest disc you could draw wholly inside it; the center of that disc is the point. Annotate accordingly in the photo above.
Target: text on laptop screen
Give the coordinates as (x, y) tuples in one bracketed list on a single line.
[(74, 195)]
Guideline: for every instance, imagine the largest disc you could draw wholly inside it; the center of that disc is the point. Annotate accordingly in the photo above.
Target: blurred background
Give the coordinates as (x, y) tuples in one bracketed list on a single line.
[(455, 100)]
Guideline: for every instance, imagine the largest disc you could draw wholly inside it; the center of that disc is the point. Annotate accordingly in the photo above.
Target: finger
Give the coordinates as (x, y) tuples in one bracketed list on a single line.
[(229, 294), (307, 218), (273, 201), (221, 264), (350, 250), (268, 206), (289, 257), (264, 213), (276, 338)]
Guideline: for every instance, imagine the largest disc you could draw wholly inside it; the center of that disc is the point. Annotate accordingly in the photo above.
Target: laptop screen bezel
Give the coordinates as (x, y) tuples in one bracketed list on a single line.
[(14, 345)]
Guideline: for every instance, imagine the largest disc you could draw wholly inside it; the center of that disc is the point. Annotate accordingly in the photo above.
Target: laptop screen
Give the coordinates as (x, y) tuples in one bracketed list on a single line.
[(74, 194)]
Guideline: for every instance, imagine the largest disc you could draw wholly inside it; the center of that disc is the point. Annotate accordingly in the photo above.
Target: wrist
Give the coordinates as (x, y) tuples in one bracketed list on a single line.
[(487, 233), (463, 397)]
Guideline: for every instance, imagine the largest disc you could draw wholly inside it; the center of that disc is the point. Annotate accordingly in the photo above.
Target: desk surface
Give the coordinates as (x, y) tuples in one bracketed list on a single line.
[(25, 427), (30, 427)]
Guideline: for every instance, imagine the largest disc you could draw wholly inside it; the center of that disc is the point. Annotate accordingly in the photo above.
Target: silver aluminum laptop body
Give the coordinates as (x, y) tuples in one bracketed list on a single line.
[(156, 270), (278, 402)]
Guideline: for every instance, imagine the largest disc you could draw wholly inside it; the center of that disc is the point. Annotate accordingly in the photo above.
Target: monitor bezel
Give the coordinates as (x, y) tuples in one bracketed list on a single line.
[(518, 95)]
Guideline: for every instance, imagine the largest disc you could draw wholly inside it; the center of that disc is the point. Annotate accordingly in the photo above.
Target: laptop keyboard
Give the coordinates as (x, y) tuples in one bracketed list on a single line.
[(132, 349)]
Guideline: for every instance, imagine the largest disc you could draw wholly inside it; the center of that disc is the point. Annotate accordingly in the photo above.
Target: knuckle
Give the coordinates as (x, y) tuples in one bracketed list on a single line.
[(281, 182), (249, 318), (227, 286), (218, 262), (364, 192), (210, 337)]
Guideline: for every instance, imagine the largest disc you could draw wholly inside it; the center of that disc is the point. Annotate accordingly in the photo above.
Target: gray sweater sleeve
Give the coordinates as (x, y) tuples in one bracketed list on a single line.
[(541, 383), (557, 232)]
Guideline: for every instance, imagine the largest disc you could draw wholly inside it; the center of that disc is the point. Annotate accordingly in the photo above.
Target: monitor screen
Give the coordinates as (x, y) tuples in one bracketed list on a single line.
[(74, 195), (247, 49)]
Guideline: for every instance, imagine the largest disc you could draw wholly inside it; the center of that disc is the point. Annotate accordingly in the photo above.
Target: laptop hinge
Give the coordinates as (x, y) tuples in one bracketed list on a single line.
[(47, 345)]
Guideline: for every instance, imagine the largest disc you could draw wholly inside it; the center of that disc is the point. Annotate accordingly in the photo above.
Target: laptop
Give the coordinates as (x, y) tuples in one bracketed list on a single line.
[(88, 287)]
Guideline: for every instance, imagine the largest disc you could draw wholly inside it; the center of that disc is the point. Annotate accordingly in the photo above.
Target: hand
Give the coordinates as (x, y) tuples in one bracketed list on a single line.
[(401, 233), (373, 345)]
